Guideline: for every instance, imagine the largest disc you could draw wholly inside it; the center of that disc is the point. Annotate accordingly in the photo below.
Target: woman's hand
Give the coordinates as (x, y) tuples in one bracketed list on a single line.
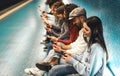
[(53, 38), (67, 57), (86, 30), (57, 48), (49, 30)]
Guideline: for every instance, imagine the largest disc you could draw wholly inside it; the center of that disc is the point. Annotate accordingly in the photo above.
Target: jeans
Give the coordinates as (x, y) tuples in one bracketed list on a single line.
[(63, 70), (49, 56), (49, 46)]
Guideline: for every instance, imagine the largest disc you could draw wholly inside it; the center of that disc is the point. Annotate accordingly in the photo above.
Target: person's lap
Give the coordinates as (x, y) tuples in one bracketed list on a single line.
[(63, 70)]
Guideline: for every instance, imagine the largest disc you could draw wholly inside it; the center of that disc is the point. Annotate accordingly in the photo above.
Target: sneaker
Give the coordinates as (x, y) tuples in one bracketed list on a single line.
[(34, 71), (43, 42), (45, 49), (47, 40), (40, 73), (31, 71)]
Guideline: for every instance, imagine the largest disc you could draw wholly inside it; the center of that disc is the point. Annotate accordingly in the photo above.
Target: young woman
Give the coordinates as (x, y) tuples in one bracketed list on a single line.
[(93, 60)]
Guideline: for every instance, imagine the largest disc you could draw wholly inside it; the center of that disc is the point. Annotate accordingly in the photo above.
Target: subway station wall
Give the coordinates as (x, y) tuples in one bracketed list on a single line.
[(7, 3), (109, 13)]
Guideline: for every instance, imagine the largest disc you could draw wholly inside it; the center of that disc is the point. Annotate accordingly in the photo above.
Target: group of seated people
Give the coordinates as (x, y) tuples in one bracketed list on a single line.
[(75, 44)]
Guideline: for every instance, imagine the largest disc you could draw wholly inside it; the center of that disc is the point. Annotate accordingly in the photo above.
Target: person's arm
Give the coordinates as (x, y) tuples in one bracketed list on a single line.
[(74, 32), (66, 47), (55, 33), (65, 32), (92, 64), (43, 11), (56, 27), (49, 23), (56, 30), (57, 48)]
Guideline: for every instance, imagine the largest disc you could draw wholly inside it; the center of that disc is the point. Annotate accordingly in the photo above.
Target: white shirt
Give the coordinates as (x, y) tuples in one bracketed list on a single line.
[(79, 46)]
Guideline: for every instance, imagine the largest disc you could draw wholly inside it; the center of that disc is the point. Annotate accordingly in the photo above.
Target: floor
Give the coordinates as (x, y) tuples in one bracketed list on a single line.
[(21, 33), (20, 36)]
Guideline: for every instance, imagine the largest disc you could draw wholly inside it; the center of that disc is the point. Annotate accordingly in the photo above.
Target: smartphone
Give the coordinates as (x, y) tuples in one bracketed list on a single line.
[(41, 16), (63, 54), (47, 36)]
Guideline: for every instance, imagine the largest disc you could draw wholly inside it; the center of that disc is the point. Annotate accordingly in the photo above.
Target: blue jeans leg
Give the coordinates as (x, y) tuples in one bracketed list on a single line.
[(50, 55), (62, 70), (49, 46)]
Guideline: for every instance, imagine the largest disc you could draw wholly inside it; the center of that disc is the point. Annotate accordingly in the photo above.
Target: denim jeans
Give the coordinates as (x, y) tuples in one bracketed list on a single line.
[(49, 46), (63, 70), (50, 55)]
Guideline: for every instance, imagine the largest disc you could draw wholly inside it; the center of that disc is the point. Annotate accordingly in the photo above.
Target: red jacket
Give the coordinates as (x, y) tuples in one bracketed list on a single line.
[(74, 33)]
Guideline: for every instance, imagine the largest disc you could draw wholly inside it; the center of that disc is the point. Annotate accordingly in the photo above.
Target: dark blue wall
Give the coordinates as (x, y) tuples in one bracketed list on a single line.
[(7, 3), (109, 12)]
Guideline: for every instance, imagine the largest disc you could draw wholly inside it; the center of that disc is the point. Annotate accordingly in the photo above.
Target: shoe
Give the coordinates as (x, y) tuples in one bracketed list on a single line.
[(46, 66), (47, 40), (54, 61), (45, 48), (40, 73), (42, 42), (34, 71), (31, 71)]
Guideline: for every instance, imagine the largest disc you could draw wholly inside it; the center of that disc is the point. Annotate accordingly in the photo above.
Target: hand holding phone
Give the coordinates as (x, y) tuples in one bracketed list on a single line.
[(67, 57)]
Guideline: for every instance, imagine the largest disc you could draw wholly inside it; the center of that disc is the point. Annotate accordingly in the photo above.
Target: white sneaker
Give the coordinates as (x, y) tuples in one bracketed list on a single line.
[(40, 73), (34, 71)]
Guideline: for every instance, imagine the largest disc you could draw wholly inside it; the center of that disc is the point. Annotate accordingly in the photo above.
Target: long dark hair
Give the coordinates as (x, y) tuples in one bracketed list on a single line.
[(96, 27)]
